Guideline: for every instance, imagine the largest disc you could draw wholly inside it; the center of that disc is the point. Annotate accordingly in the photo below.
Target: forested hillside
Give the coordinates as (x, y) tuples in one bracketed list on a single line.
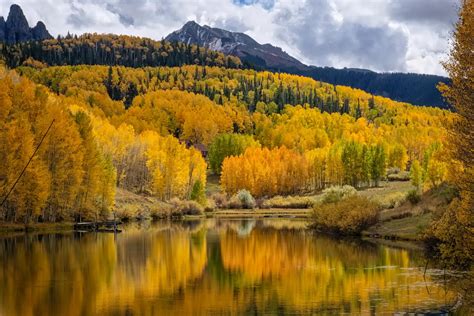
[(83, 158), (419, 89), (130, 51), (416, 89), (109, 49), (262, 92), (143, 123)]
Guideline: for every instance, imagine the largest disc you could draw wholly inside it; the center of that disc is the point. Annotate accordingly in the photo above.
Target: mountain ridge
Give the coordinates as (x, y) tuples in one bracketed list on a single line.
[(418, 89), (234, 43)]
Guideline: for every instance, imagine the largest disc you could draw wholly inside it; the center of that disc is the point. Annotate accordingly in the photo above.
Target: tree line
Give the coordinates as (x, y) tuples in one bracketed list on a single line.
[(109, 49)]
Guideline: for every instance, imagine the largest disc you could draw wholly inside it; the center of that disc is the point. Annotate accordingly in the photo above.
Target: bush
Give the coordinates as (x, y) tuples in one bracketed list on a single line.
[(181, 208), (392, 170), (391, 200), (414, 197), (210, 205), (447, 192), (159, 212), (400, 176), (220, 200), (289, 202), (126, 213), (337, 193), (349, 216), (450, 239), (243, 199)]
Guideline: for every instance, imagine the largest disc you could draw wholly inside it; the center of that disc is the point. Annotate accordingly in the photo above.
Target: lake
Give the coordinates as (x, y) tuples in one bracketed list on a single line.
[(213, 266)]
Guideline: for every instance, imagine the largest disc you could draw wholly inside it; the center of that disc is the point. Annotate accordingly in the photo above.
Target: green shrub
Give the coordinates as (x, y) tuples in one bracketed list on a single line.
[(289, 202), (349, 216), (414, 197), (243, 199), (181, 208), (198, 193), (337, 193), (448, 192)]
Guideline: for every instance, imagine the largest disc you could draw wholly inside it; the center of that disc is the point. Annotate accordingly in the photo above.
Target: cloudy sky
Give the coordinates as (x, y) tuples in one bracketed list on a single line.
[(382, 35)]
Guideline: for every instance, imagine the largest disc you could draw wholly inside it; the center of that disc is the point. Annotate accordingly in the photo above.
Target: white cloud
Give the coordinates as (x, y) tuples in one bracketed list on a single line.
[(383, 35)]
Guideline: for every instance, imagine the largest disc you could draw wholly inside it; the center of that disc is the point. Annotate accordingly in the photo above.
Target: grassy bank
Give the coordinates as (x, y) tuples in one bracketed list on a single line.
[(266, 213), (409, 221), (130, 206), (398, 219), (408, 228)]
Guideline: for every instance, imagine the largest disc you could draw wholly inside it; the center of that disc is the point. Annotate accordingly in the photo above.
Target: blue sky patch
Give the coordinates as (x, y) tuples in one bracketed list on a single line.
[(266, 4)]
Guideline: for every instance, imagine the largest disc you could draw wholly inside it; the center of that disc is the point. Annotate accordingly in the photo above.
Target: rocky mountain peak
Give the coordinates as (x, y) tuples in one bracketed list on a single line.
[(16, 14), (190, 24), (39, 32), (234, 43), (16, 28)]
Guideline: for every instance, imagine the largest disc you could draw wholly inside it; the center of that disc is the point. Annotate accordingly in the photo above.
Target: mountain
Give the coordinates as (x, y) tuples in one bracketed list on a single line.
[(16, 29), (237, 44), (417, 89)]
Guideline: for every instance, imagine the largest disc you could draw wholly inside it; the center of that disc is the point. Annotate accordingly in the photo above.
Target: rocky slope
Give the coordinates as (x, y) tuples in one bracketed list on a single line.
[(237, 44)]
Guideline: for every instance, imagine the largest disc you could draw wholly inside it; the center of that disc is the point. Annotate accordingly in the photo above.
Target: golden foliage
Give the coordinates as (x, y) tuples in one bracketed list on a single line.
[(460, 144), (348, 216), (66, 177), (265, 172)]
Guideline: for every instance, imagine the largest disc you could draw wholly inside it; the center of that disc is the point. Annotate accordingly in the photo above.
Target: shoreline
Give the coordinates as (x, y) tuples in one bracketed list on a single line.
[(36, 227)]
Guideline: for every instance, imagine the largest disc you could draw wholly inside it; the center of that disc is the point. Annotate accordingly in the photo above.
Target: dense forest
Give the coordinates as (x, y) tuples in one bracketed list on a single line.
[(262, 92), (419, 89), (109, 49), (114, 50), (136, 129)]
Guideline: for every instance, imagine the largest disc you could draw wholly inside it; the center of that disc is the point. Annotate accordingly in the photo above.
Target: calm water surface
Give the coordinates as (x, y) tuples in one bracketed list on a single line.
[(211, 267)]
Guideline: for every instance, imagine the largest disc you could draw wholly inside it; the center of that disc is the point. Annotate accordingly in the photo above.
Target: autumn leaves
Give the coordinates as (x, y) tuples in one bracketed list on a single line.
[(97, 144)]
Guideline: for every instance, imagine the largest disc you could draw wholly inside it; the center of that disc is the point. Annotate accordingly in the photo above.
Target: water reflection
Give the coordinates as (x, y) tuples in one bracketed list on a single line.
[(214, 266)]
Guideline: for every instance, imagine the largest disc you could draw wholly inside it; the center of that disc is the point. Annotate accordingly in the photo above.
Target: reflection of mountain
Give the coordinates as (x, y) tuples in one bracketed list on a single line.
[(172, 270)]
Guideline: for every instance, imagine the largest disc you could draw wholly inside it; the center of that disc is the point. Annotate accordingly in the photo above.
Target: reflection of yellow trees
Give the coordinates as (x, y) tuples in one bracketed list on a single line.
[(258, 260), (154, 264), (309, 273), (61, 276), (177, 270), (55, 276)]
